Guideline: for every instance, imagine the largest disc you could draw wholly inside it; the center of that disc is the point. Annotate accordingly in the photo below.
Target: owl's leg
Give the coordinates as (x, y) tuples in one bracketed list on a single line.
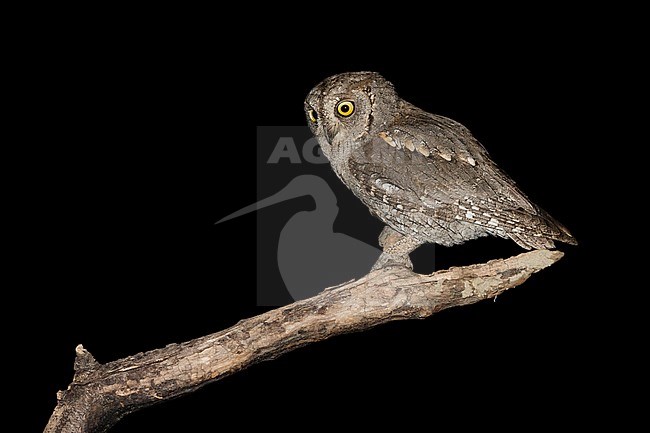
[(397, 248)]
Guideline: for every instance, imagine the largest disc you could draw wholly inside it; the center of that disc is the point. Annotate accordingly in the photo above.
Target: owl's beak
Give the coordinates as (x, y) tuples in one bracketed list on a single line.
[(327, 135), (329, 131)]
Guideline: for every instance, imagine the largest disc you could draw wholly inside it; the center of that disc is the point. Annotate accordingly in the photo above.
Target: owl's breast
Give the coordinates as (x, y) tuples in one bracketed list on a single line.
[(339, 154)]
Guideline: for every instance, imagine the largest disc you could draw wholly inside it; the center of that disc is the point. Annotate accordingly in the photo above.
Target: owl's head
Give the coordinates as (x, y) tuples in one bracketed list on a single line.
[(344, 109)]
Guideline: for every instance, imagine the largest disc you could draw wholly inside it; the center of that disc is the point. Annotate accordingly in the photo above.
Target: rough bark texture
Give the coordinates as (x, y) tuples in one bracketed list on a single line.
[(101, 394)]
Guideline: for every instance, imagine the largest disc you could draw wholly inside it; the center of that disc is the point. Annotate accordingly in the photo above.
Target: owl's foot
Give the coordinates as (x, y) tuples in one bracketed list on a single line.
[(397, 248), (387, 260)]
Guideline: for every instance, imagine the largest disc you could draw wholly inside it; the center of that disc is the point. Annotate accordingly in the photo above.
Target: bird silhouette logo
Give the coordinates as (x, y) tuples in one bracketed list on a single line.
[(310, 255)]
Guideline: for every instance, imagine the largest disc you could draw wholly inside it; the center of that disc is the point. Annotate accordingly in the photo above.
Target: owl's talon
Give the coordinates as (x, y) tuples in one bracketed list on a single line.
[(386, 260)]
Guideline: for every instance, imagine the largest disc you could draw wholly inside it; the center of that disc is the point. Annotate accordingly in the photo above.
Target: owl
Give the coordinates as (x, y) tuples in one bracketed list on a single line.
[(423, 175)]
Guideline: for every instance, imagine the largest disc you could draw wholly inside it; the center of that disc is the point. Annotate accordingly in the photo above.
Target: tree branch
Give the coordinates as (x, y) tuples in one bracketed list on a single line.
[(101, 394)]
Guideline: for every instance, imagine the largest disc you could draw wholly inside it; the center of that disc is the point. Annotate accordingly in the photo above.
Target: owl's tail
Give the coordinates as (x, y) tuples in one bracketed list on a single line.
[(540, 232)]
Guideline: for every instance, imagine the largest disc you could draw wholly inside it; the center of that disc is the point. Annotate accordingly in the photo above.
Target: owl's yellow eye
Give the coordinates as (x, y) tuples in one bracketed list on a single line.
[(313, 116), (345, 108)]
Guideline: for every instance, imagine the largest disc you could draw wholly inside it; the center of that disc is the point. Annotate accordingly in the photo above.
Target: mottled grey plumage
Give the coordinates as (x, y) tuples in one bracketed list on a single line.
[(425, 176)]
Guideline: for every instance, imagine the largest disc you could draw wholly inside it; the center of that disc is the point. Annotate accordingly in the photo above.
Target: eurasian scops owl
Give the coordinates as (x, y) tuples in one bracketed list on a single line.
[(424, 175)]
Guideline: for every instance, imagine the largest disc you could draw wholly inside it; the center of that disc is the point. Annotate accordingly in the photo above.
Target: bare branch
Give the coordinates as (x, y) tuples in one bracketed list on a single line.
[(101, 394)]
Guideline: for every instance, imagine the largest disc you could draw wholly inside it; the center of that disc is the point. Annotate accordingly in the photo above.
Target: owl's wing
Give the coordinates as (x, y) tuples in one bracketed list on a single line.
[(433, 165)]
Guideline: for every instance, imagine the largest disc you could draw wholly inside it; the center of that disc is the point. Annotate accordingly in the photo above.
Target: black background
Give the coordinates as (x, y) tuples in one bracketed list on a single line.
[(153, 140)]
